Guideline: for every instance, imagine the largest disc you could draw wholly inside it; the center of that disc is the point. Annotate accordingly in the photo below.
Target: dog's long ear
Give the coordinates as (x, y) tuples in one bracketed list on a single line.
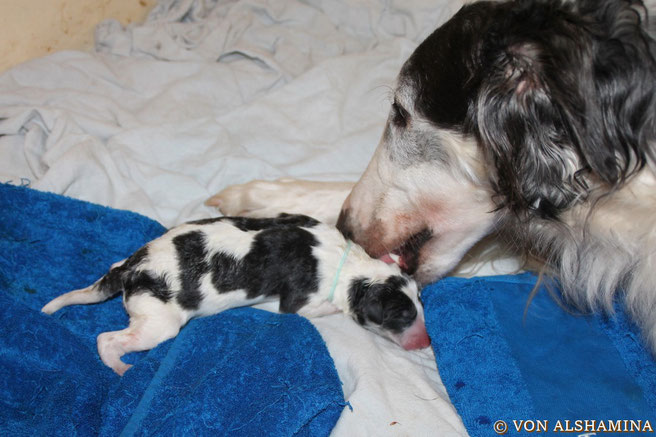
[(563, 101), (522, 130), (619, 113)]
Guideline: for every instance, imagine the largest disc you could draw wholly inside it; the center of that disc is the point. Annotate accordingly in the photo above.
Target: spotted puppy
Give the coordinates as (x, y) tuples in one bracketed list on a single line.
[(207, 266)]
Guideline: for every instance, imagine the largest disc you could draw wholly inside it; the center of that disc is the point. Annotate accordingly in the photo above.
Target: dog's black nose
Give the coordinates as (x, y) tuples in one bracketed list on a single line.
[(343, 224)]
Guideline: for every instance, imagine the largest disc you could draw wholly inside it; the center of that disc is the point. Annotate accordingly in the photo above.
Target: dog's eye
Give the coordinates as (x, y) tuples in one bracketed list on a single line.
[(400, 116)]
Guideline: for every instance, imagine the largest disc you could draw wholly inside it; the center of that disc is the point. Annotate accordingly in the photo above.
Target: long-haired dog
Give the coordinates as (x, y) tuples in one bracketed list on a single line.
[(529, 120)]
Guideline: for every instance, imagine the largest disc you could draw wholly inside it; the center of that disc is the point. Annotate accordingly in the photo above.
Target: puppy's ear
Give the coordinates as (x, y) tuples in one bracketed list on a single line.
[(374, 311), (521, 127), (365, 302), (358, 291)]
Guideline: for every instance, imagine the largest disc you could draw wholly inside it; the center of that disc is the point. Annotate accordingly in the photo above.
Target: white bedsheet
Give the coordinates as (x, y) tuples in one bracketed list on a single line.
[(205, 94)]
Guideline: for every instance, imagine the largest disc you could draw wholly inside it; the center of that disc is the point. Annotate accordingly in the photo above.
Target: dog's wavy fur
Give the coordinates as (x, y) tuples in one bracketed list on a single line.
[(569, 126), (532, 121)]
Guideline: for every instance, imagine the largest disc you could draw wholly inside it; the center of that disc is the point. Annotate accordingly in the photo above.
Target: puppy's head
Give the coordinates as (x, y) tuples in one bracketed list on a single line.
[(510, 109), (390, 308)]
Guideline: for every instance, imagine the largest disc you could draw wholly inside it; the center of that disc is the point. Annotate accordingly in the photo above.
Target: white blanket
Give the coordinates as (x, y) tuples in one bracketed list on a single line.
[(205, 94)]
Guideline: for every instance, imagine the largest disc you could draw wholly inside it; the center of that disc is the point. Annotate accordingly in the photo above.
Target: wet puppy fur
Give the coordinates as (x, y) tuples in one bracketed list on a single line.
[(531, 121), (207, 266)]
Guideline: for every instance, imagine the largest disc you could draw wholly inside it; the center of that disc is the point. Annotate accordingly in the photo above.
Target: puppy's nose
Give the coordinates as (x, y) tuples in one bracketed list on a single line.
[(415, 337), (343, 224)]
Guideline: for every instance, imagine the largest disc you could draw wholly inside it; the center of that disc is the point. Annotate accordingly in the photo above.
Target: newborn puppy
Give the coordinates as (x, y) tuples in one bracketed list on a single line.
[(207, 266)]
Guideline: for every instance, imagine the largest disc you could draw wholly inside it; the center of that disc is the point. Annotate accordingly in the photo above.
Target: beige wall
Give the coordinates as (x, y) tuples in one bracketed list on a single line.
[(32, 28)]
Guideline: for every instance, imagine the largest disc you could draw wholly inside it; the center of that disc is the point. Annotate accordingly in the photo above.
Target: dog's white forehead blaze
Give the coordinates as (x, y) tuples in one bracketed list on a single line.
[(390, 191), (462, 152)]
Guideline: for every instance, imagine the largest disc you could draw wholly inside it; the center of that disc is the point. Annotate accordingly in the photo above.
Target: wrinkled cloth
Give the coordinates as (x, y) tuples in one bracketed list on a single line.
[(205, 94)]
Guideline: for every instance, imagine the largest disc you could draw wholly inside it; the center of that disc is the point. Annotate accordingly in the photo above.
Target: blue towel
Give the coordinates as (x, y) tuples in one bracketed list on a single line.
[(553, 365), (241, 372)]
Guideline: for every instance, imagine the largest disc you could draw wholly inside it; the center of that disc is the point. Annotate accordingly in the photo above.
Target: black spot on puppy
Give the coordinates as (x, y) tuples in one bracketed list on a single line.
[(258, 224), (227, 272), (112, 282), (123, 277), (383, 304), (141, 281), (207, 221), (253, 224), (357, 298), (191, 253), (399, 312), (136, 258), (280, 263)]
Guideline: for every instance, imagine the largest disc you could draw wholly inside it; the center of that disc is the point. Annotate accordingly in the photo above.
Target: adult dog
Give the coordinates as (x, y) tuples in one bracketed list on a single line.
[(529, 120)]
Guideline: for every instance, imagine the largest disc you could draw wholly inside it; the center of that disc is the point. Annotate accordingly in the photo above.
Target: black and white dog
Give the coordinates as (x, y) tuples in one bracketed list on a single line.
[(204, 267), (533, 121)]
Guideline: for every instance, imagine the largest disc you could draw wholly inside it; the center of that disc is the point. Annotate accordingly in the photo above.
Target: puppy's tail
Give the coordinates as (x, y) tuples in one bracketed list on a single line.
[(108, 286)]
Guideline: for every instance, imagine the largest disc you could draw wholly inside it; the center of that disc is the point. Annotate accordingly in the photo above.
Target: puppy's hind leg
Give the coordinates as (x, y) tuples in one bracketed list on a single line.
[(151, 322)]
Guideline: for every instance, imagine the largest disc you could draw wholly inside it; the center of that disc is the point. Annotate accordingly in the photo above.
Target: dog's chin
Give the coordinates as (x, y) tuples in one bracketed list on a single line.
[(407, 253)]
